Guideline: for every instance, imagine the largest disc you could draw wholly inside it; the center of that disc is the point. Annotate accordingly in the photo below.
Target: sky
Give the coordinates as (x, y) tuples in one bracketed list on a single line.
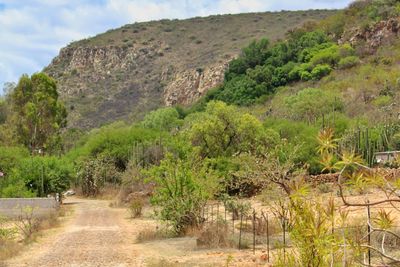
[(33, 31)]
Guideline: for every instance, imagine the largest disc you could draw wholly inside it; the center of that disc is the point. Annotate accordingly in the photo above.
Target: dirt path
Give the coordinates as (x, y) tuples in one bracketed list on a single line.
[(96, 235)]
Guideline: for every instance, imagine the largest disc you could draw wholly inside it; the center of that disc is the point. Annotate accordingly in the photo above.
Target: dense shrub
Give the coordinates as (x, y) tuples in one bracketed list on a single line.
[(94, 174), (116, 142), (13, 186), (262, 68), (299, 134), (320, 71), (164, 119), (309, 104), (10, 157), (37, 175), (3, 111)]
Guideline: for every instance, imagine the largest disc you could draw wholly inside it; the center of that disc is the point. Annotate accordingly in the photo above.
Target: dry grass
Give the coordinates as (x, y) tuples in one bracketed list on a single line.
[(152, 234), (24, 231), (8, 248), (216, 236)]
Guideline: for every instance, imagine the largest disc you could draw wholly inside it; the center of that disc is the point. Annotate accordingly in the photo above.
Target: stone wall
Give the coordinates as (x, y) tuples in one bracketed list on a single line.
[(14, 207)]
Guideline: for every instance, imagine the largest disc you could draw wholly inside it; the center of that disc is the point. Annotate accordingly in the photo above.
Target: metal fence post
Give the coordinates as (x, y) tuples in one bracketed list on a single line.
[(233, 223), (240, 230), (284, 239), (225, 211), (217, 217), (254, 231), (267, 237), (212, 213), (369, 232)]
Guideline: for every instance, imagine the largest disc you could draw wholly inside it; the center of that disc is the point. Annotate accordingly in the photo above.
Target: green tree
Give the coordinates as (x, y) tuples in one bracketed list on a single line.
[(241, 90), (3, 111), (38, 114), (252, 55), (10, 157), (223, 130), (164, 119)]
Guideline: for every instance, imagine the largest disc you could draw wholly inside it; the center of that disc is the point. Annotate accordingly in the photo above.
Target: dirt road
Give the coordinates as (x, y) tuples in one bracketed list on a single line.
[(96, 235)]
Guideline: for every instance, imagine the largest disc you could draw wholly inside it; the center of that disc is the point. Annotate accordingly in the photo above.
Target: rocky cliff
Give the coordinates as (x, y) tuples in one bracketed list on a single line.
[(123, 73), (373, 36)]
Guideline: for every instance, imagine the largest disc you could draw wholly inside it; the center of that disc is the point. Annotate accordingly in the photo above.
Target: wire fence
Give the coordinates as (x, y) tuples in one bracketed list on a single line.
[(262, 230)]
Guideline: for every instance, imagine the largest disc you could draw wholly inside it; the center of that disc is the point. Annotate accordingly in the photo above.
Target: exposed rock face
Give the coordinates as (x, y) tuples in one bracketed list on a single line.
[(189, 85), (98, 63), (372, 37)]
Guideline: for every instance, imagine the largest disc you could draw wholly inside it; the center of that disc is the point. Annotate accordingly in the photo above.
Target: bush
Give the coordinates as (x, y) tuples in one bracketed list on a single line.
[(305, 76), (320, 71), (115, 142), (311, 103), (396, 141), (348, 62), (178, 193), (11, 156), (382, 100), (216, 235), (135, 207), (153, 234), (6, 233), (14, 187), (94, 174), (329, 56), (38, 176), (325, 188)]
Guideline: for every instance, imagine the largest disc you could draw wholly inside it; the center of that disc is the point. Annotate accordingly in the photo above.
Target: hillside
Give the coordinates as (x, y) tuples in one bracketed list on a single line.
[(125, 72)]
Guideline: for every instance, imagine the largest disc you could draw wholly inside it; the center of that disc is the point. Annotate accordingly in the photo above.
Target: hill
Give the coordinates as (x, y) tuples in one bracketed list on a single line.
[(125, 72)]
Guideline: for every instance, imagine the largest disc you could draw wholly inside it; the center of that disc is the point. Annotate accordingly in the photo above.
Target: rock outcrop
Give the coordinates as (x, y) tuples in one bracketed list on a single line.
[(373, 36), (189, 85)]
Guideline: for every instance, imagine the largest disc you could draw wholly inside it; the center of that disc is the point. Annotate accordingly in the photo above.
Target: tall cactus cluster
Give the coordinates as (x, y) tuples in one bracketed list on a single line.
[(367, 141)]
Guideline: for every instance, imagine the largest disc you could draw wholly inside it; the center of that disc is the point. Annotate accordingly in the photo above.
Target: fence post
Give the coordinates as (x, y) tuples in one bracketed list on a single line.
[(240, 230), (344, 247), (254, 232), (233, 222), (204, 218), (206, 214), (225, 211), (212, 213), (369, 233), (217, 216), (267, 237), (284, 239)]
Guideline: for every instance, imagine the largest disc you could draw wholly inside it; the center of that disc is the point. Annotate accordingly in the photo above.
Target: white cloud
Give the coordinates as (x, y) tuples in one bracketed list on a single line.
[(33, 31)]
